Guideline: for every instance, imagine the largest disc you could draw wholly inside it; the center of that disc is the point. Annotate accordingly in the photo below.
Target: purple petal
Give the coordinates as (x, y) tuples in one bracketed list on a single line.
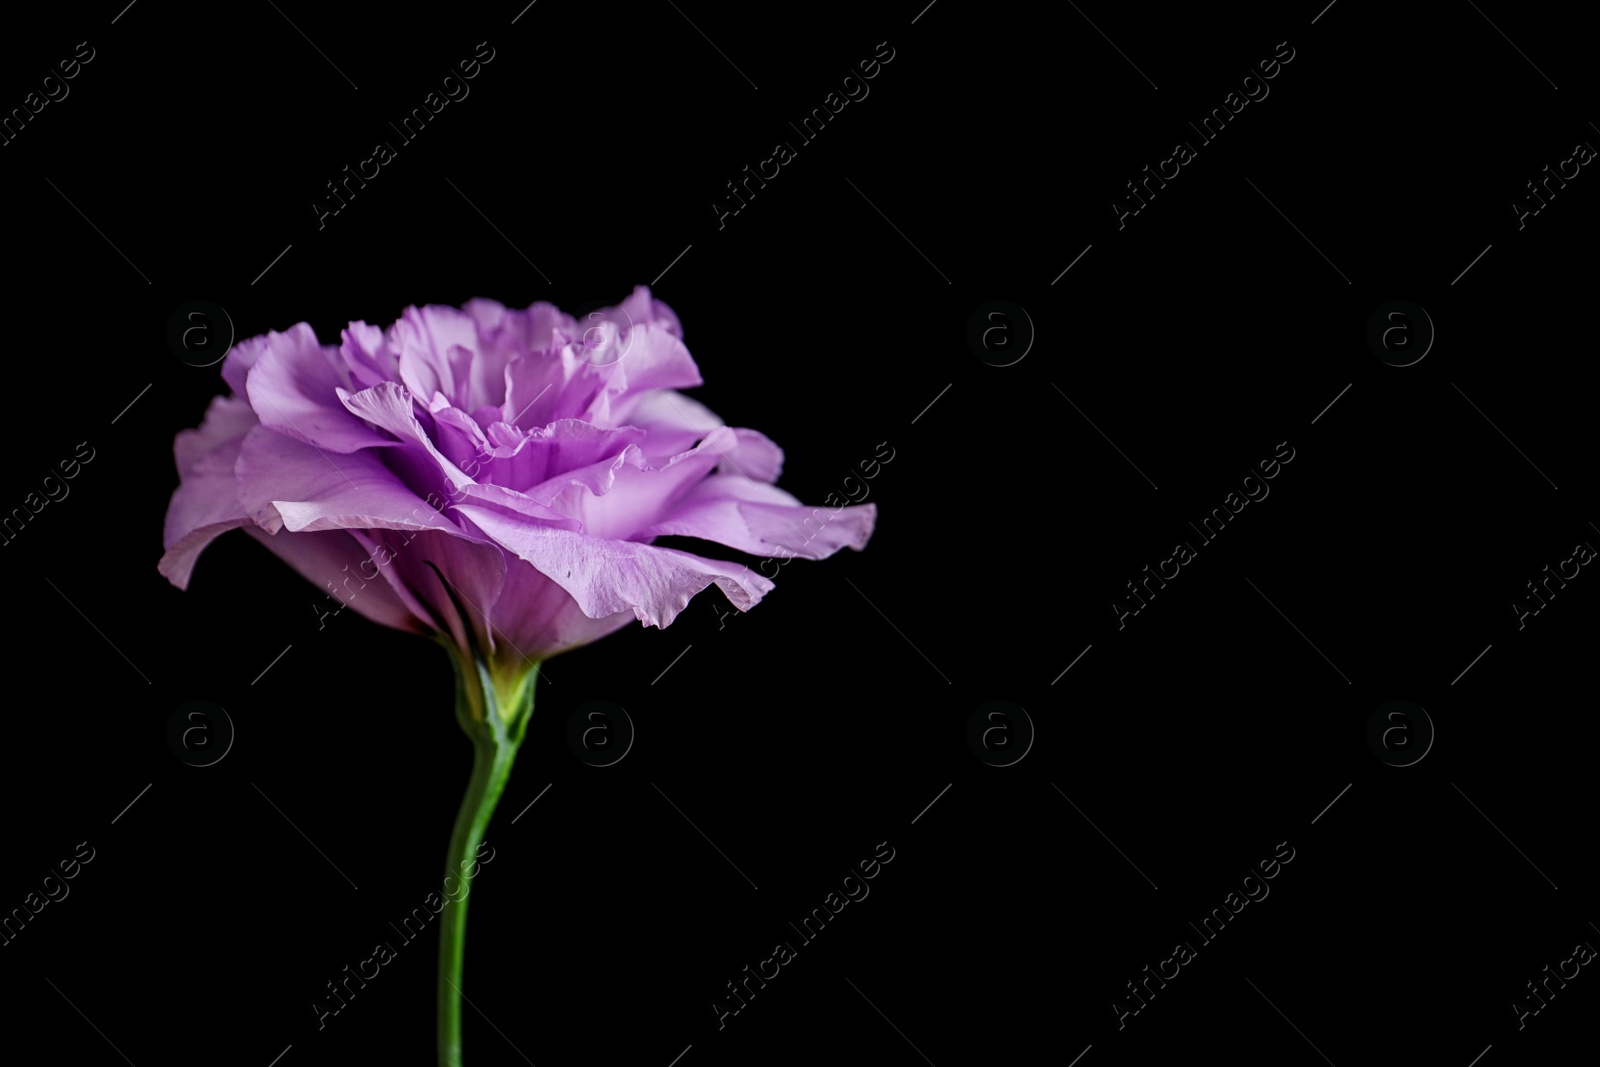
[(506, 334), (537, 619), (609, 576), (241, 357), (565, 445), (227, 418), (425, 340), (535, 386), (765, 521), (367, 355), (753, 456), (674, 421), (639, 496), (284, 483), (204, 505), (647, 357), (428, 471), (292, 387), (474, 570)]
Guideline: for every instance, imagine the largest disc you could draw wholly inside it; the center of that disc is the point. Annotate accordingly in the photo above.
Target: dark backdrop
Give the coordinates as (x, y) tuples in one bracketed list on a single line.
[(1163, 355)]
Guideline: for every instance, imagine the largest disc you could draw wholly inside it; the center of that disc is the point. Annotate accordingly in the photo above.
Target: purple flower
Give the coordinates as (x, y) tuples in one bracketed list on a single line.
[(492, 475)]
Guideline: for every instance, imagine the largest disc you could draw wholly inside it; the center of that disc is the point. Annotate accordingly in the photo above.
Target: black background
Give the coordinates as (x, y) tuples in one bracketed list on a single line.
[(829, 313)]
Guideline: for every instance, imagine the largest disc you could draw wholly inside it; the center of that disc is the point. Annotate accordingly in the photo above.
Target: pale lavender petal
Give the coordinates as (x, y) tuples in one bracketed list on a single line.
[(461, 440), (674, 421), (507, 334), (651, 357), (753, 456), (426, 470), (292, 388), (501, 434), (367, 355), (423, 339), (537, 618), (640, 496), (609, 576), (763, 520), (535, 386), (204, 505), (474, 572), (227, 418), (198, 514), (241, 357), (564, 445), (390, 407), (556, 501), (640, 307), (284, 483)]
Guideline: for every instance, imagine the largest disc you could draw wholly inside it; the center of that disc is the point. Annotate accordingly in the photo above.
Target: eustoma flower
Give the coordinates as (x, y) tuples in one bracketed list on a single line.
[(494, 478)]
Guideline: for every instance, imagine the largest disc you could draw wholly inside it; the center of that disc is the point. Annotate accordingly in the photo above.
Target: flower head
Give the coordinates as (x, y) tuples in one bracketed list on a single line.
[(492, 476)]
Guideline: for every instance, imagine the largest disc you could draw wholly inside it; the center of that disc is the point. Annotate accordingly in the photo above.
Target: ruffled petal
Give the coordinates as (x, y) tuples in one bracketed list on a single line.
[(284, 483), (674, 422), (423, 468), (607, 576), (638, 495), (292, 387), (763, 520), (474, 573), (204, 505)]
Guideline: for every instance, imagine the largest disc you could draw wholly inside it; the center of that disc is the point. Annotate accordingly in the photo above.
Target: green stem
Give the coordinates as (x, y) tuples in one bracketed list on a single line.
[(496, 735)]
